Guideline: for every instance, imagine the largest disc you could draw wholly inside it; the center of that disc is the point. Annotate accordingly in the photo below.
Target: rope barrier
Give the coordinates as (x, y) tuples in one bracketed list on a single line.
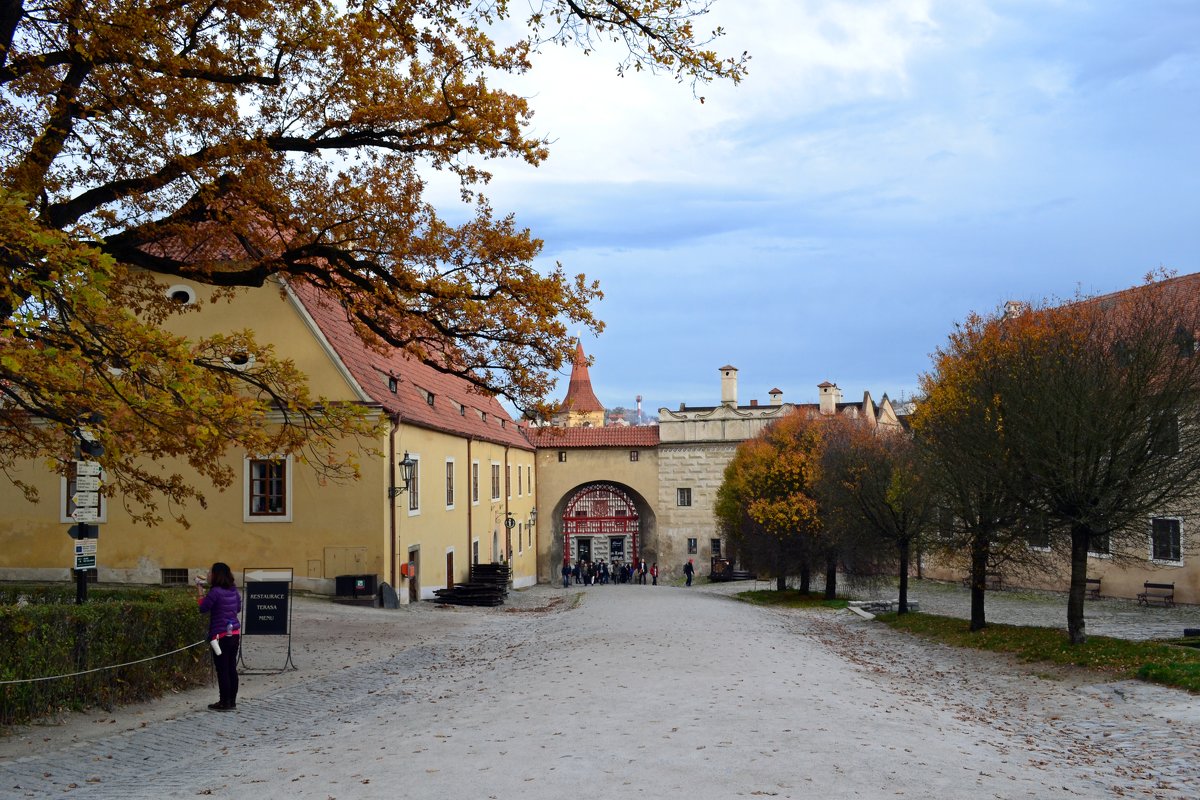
[(101, 669)]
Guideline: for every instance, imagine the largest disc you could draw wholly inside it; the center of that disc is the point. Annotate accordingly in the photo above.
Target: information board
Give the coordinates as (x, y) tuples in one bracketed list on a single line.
[(267, 608)]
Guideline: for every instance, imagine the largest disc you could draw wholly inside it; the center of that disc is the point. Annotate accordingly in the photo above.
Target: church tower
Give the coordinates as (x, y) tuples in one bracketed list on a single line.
[(580, 408)]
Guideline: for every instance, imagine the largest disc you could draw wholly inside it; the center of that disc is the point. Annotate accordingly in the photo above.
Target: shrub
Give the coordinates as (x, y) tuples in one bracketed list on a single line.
[(49, 636)]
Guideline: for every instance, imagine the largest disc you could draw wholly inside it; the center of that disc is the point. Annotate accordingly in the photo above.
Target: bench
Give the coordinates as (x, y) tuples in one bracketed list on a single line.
[(1157, 592), (993, 582), (1093, 588)]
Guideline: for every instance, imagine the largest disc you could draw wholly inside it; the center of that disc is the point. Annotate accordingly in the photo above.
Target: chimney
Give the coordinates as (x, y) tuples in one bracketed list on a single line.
[(831, 395), (776, 397), (754, 403), (729, 386)]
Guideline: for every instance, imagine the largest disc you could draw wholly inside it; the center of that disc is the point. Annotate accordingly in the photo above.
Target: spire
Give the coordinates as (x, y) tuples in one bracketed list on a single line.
[(580, 397)]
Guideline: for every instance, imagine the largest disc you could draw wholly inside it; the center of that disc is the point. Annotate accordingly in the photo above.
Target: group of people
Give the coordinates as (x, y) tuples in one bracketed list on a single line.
[(590, 573)]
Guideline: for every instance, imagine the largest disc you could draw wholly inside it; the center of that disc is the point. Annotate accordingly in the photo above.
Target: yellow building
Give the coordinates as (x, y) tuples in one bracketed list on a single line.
[(470, 497)]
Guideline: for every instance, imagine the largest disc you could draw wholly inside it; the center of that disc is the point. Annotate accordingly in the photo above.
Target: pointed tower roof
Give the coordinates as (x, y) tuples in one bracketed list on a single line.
[(580, 397)]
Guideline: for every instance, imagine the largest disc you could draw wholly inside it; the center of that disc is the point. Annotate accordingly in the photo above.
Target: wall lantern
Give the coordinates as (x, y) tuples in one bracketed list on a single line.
[(406, 473)]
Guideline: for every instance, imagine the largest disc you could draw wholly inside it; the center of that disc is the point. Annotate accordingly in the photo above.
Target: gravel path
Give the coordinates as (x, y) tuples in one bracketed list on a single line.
[(632, 691)]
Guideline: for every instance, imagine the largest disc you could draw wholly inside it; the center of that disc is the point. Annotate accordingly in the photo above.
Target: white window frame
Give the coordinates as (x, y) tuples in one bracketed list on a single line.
[(1179, 521), (475, 482), (680, 496), (414, 486), (494, 477), (289, 496), (451, 484)]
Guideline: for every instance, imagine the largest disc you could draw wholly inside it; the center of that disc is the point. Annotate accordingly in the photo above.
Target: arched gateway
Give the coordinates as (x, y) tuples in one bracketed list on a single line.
[(600, 521)]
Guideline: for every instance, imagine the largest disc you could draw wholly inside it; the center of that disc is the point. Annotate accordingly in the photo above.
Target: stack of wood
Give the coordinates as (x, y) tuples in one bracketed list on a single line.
[(488, 586)]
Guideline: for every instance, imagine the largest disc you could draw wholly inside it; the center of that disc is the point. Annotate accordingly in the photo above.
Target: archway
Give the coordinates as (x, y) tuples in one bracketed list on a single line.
[(601, 521)]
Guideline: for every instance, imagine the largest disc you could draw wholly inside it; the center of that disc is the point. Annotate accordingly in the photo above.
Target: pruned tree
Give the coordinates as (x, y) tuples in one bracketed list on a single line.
[(1095, 410), (874, 479), (979, 514), (766, 503), (232, 143)]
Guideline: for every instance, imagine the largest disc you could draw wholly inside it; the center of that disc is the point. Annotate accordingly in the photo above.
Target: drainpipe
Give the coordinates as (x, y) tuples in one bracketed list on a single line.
[(393, 548), (507, 486), (470, 504)]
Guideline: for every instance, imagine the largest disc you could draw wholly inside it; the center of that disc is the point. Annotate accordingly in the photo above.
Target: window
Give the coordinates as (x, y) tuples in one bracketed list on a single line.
[(633, 455), (692, 547), (562, 456), (268, 484), (1164, 435), (716, 547), (449, 484), (414, 486), (1037, 533), (475, 551), (175, 576), (508, 480), (520, 537), (474, 481), (1098, 545), (1165, 541), (495, 481), (520, 481), (683, 497)]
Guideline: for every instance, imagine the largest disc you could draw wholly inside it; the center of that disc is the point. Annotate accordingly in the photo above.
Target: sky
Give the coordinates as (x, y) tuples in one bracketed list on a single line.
[(887, 167)]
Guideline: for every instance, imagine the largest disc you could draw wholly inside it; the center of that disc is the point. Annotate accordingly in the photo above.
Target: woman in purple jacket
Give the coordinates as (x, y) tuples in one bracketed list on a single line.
[(223, 604)]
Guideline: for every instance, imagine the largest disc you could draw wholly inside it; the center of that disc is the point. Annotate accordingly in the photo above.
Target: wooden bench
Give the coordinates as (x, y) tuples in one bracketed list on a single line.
[(993, 582), (1093, 588), (1157, 592)]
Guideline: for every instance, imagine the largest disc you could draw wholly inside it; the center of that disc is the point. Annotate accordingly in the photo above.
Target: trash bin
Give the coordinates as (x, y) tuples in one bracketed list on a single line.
[(355, 585)]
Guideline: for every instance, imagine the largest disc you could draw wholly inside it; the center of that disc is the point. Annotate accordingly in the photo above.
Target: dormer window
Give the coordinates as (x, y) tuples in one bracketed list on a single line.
[(393, 384)]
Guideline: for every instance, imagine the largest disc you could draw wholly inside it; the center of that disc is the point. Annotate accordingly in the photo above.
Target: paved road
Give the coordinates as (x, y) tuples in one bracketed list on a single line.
[(634, 691)]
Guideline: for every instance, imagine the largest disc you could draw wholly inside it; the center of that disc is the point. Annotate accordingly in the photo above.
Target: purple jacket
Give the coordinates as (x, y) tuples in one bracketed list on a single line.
[(222, 605)]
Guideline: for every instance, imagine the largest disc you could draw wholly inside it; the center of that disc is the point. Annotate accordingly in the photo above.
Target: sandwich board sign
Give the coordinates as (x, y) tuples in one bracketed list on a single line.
[(268, 607)]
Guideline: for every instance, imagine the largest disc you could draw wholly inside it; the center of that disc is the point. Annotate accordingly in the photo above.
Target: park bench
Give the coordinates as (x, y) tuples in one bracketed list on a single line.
[(1093, 588), (1157, 592), (993, 582)]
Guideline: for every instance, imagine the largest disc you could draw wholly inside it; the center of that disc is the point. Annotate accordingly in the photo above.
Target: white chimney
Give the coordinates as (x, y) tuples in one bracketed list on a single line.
[(729, 386), (831, 395), (776, 397)]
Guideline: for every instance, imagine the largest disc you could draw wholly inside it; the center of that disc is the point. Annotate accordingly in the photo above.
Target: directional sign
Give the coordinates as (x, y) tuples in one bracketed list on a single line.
[(269, 575), (86, 514), (89, 499), (87, 483), (87, 469)]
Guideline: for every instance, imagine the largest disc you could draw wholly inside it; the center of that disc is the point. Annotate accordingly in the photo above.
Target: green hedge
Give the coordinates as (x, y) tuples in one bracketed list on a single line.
[(46, 634)]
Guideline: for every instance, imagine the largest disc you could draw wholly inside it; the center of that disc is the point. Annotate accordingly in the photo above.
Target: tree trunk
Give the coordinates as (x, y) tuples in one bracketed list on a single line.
[(831, 563), (1081, 537), (805, 578), (781, 583), (979, 565), (903, 546)]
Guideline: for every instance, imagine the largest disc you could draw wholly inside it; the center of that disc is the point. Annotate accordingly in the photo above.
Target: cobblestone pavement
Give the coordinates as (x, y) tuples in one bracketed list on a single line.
[(633, 691)]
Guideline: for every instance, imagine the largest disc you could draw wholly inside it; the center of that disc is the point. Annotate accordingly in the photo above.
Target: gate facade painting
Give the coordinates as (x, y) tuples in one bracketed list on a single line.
[(605, 515)]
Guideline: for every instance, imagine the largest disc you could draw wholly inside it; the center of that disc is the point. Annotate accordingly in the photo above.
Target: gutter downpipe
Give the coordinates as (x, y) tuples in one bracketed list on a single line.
[(470, 505), (393, 545)]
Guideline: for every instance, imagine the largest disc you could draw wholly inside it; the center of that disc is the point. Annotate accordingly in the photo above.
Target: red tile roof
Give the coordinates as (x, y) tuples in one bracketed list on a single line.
[(555, 438), (423, 396)]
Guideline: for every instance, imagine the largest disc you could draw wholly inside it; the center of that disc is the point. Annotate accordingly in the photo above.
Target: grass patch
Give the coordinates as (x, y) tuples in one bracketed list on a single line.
[(789, 598), (1158, 662)]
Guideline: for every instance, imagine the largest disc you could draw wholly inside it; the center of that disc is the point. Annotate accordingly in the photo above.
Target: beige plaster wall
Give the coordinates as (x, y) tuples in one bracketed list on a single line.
[(558, 481)]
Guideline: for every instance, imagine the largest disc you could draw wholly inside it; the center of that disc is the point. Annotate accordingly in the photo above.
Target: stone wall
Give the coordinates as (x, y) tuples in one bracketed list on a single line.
[(699, 467)]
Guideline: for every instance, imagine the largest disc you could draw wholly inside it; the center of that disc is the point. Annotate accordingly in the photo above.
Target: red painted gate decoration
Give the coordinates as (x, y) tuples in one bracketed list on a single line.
[(600, 510)]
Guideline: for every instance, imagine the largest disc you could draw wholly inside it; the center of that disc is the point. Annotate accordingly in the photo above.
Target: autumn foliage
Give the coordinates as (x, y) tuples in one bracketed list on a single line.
[(236, 143)]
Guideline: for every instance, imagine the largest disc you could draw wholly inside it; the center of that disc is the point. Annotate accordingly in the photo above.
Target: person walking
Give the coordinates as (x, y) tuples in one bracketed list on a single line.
[(654, 574), (566, 573), (689, 571), (223, 603)]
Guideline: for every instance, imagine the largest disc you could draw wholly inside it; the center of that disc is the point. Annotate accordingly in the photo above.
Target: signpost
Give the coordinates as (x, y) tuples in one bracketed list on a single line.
[(268, 609), (86, 512)]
